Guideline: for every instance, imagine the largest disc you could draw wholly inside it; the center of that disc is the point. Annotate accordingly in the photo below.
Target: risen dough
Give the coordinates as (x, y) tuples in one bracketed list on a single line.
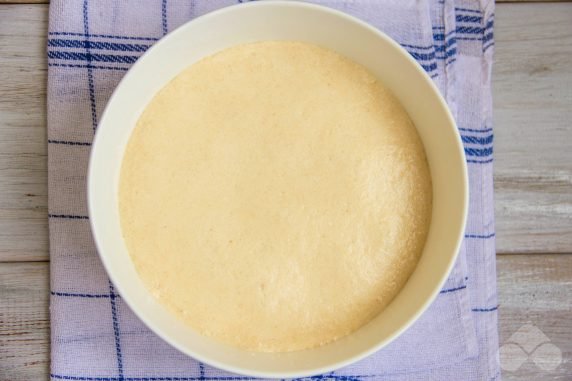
[(275, 196)]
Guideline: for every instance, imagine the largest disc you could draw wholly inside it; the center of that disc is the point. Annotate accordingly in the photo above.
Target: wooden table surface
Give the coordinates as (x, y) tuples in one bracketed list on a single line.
[(532, 86)]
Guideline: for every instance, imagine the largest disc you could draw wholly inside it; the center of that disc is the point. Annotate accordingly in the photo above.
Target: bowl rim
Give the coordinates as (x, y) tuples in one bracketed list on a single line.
[(114, 275)]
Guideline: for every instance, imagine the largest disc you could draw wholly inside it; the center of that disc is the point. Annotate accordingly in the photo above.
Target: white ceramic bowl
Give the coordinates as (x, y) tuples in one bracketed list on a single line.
[(281, 20)]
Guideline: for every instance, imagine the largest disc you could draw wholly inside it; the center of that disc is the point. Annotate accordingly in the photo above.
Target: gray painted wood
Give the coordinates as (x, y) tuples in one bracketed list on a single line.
[(532, 89), (24, 321), (534, 291), (23, 170)]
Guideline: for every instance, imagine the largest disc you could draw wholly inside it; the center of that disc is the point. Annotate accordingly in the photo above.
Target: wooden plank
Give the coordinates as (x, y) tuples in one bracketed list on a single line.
[(532, 79), (23, 172), (24, 321), (532, 289)]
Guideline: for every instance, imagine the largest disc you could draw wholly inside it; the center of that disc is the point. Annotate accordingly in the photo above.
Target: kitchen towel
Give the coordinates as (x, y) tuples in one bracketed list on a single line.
[(96, 337)]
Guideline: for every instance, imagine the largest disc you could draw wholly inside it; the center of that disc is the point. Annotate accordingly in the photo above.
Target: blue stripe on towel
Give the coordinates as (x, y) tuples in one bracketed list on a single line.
[(74, 295), (86, 44), (90, 82), (446, 291), (116, 333), (164, 16), (68, 216), (484, 130), (89, 66), (429, 47), (92, 57), (491, 309), (468, 18), (69, 143), (477, 140), (469, 29), (480, 236), (487, 161), (479, 152)]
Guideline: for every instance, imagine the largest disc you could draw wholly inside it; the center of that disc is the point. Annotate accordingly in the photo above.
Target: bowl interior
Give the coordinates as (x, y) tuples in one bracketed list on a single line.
[(279, 20)]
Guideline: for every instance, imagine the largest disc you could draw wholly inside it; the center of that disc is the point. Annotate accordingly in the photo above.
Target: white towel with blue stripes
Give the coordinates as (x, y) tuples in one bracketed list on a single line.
[(94, 334)]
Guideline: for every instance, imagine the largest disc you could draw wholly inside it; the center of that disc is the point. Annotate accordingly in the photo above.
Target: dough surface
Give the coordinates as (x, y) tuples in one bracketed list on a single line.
[(275, 196)]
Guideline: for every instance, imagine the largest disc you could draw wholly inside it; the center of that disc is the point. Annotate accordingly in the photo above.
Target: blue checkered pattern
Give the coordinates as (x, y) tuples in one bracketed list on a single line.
[(94, 334)]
